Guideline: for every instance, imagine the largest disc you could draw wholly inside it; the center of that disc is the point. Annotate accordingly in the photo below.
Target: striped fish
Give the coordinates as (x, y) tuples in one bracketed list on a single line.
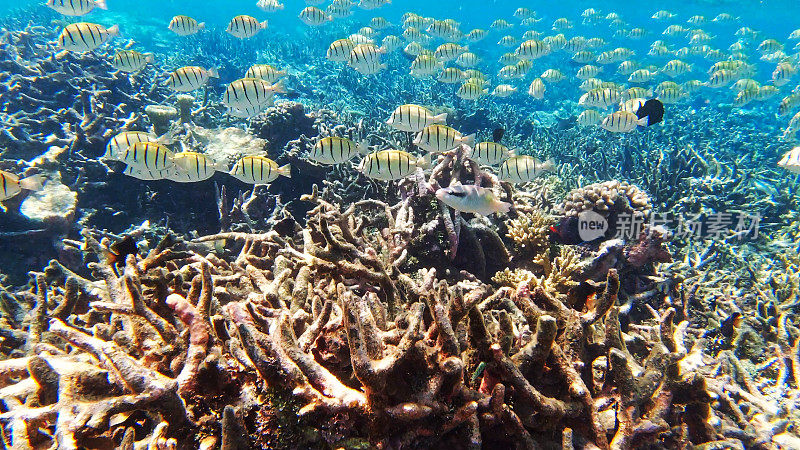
[(441, 138), (340, 49), (259, 170), (131, 60), (391, 43), (389, 165), (413, 118), (314, 16), (189, 78), (269, 6), (336, 150), (490, 153), (589, 117), (471, 91), (265, 72), (532, 49), (120, 143), (467, 59), (472, 199), (537, 89), (247, 113), (85, 37), (449, 51), (11, 185), (146, 174), (424, 65), (75, 7), (193, 166), (720, 78), (451, 75), (185, 25), (364, 56), (504, 90), (148, 156), (622, 122), (599, 98), (246, 93), (244, 26), (521, 169)]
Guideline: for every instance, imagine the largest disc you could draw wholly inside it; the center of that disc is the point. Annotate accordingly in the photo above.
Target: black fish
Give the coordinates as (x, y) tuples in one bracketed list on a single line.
[(566, 232), (652, 109), (119, 251), (497, 134)]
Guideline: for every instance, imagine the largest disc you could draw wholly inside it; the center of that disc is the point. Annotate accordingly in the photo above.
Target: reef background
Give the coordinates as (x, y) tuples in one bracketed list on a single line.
[(329, 310)]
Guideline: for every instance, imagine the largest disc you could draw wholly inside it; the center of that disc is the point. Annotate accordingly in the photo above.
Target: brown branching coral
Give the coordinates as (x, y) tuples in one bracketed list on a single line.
[(199, 347)]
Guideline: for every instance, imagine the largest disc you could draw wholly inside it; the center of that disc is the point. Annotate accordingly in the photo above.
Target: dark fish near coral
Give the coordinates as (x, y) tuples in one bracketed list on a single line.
[(497, 134), (566, 232), (119, 251), (652, 109), (727, 328)]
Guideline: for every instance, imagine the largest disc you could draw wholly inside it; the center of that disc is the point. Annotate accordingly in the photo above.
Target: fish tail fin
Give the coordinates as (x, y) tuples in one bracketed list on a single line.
[(503, 207), (149, 57), (384, 66), (512, 152), (101, 4), (33, 183), (263, 25), (549, 165), (363, 147), (425, 162), (440, 119), (113, 31), (644, 121), (201, 26), (280, 87), (286, 171), (469, 140)]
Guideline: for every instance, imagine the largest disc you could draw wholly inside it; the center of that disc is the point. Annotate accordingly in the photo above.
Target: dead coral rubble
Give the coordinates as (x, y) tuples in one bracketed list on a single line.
[(191, 349)]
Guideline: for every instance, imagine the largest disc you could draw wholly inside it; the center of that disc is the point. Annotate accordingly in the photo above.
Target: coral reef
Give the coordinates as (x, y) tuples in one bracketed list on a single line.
[(607, 198), (198, 343)]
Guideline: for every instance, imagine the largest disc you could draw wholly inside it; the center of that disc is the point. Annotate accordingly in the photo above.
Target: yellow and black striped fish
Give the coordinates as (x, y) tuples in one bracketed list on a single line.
[(185, 25), (441, 138), (146, 174), (364, 56), (11, 185), (265, 72), (340, 49), (532, 49), (490, 153), (471, 91), (246, 93), (413, 118), (75, 7), (622, 122), (523, 168), (131, 60), (121, 142), (388, 165), (259, 170), (425, 65), (190, 78), (148, 156), (336, 150), (244, 26), (85, 37), (314, 16), (193, 166)]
